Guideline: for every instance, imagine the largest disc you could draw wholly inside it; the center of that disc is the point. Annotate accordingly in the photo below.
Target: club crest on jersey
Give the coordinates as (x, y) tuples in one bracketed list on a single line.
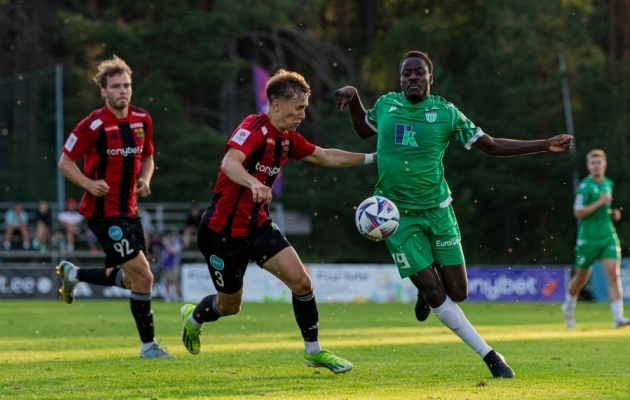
[(431, 116), (285, 148), (139, 132), (115, 233)]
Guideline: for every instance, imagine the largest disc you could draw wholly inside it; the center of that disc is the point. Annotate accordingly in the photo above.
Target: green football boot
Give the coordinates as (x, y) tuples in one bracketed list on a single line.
[(326, 359), (190, 334)]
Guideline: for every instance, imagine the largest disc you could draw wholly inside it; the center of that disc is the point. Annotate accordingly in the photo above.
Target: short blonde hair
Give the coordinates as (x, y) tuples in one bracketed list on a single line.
[(596, 153), (286, 85), (112, 67)]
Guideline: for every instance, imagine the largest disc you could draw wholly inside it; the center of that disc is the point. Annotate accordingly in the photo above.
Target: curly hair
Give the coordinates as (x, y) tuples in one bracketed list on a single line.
[(108, 68)]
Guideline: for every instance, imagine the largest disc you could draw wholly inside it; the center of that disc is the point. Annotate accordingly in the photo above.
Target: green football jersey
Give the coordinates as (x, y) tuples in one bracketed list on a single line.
[(412, 139), (599, 224)]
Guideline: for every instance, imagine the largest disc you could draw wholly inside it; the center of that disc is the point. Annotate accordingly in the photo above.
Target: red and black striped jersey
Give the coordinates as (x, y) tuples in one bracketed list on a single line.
[(233, 209), (113, 150)]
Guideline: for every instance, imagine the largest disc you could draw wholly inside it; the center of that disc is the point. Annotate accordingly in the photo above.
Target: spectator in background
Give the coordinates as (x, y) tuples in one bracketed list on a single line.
[(147, 224), (43, 226), (16, 220), (155, 248), (70, 220), (192, 223), (171, 261)]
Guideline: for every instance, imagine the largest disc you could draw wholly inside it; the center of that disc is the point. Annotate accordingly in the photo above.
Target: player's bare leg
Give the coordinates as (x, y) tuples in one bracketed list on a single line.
[(615, 292), (575, 286), (287, 266), (421, 309), (449, 313)]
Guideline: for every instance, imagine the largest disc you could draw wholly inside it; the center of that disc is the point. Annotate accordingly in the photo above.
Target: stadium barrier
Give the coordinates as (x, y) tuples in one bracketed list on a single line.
[(333, 283), (338, 283)]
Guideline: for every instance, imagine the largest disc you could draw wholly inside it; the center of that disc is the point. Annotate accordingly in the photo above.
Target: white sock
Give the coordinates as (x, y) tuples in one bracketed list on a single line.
[(616, 307), (453, 317), (570, 301), (147, 346), (193, 321), (72, 275), (312, 347)]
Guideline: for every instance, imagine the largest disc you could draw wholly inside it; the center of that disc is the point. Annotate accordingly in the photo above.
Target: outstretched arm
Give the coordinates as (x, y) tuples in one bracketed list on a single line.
[(349, 95), (334, 158), (508, 147)]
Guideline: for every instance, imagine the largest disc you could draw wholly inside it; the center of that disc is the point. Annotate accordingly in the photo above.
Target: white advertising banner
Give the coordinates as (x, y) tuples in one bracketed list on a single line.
[(345, 283), (332, 283)]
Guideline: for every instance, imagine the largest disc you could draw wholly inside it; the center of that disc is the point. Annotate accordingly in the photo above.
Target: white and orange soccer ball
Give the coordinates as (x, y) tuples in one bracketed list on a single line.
[(377, 218)]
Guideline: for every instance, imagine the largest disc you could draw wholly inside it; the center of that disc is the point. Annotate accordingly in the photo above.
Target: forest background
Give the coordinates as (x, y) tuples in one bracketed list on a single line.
[(496, 60)]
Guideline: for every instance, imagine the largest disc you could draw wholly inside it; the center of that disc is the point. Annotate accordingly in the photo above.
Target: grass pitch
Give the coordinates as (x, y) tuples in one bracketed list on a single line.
[(90, 351)]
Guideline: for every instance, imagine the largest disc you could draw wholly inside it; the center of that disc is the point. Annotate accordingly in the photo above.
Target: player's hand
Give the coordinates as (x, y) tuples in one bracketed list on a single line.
[(560, 143), (97, 188), (142, 188), (616, 214), (261, 193), (344, 95), (604, 198)]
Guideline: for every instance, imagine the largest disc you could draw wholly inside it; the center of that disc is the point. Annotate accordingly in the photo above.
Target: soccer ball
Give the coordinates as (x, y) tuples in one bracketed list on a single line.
[(377, 218)]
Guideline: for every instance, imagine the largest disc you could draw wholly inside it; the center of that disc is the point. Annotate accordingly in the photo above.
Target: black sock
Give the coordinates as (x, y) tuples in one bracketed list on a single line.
[(98, 276), (306, 315), (142, 313), (206, 310)]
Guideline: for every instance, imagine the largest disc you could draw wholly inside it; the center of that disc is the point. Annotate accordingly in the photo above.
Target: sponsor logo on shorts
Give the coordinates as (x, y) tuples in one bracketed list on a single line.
[(216, 262), (115, 232), (126, 151), (267, 169), (445, 243)]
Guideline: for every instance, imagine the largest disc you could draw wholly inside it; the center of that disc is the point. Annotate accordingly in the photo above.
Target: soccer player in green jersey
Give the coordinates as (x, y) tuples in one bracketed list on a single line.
[(413, 129), (596, 239)]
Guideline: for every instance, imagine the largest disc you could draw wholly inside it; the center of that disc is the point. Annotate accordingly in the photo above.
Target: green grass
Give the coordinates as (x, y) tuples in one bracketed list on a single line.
[(90, 351)]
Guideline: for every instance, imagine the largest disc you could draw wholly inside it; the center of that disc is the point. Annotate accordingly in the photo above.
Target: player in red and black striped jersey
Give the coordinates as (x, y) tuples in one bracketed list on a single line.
[(116, 144), (236, 227)]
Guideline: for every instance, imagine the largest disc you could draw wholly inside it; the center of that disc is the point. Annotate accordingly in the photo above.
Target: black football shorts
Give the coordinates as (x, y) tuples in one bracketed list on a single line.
[(122, 238), (227, 257)]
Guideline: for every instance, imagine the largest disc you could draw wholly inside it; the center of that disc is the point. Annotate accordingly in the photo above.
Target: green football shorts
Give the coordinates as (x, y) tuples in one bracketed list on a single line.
[(587, 251), (424, 237)]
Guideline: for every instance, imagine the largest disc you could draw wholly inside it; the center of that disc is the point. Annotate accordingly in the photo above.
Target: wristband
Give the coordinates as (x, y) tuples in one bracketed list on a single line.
[(369, 158)]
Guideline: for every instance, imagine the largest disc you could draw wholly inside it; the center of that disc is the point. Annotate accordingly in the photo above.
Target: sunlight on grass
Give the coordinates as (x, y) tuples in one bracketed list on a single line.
[(354, 338), (91, 352)]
